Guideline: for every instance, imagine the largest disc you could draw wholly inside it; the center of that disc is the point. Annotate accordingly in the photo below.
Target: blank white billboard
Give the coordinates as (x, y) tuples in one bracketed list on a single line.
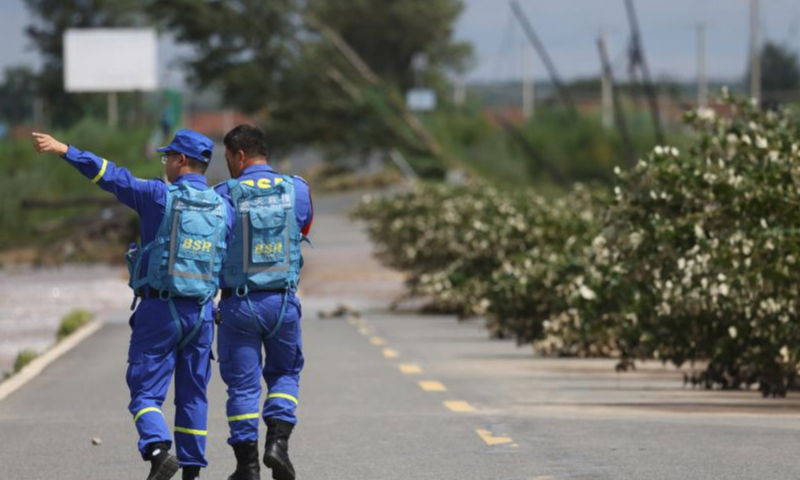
[(110, 60)]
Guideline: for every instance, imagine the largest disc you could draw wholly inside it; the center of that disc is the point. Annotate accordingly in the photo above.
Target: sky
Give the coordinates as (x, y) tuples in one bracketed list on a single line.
[(569, 30)]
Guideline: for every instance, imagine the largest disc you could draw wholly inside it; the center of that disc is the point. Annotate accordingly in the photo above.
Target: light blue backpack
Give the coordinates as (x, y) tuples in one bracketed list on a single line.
[(187, 254), (265, 250)]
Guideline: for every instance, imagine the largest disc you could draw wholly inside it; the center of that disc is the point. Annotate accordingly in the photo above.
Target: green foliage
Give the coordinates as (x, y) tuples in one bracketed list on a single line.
[(17, 94), (53, 18), (691, 259), (266, 58), (24, 358), (780, 70), (25, 174), (72, 322), (387, 35)]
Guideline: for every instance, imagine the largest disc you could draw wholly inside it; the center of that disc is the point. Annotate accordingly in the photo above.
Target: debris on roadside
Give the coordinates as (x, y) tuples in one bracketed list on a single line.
[(343, 310)]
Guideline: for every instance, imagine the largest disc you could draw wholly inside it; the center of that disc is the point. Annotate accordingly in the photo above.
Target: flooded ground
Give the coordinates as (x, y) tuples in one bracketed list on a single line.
[(339, 266), (33, 301)]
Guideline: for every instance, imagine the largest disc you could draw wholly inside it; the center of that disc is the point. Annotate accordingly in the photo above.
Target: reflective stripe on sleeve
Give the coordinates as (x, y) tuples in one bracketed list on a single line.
[(101, 172)]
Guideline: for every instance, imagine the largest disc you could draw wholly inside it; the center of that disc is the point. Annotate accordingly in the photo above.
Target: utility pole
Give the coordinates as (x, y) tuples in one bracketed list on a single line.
[(702, 80), (527, 82), (639, 59), (459, 91), (619, 114), (606, 90), (563, 91), (755, 53)]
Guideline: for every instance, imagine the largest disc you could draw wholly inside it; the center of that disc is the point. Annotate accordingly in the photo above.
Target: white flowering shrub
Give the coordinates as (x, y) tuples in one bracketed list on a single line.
[(706, 242), (693, 257), (478, 250)]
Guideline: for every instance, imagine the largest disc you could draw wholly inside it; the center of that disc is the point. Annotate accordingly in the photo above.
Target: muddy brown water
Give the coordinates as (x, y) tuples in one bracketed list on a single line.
[(33, 301)]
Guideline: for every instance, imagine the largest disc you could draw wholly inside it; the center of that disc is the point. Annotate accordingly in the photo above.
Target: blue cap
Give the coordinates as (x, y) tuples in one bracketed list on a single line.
[(192, 144)]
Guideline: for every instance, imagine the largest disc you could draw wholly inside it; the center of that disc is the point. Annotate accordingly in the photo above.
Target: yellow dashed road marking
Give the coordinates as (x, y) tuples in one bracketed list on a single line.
[(487, 437), (351, 321), (389, 353), (458, 406), (364, 330), (432, 386), (410, 369), (378, 341)]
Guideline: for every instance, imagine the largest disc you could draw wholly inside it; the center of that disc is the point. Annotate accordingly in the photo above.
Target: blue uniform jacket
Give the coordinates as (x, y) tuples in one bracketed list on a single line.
[(303, 208), (147, 197)]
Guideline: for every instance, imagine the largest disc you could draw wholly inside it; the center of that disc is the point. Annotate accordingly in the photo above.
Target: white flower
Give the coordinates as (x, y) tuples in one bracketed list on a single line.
[(721, 277), (724, 289), (636, 239), (675, 152), (785, 353), (764, 224), (706, 114), (681, 264), (617, 171), (599, 241), (746, 139), (587, 293), (761, 142), (659, 150), (732, 331), (698, 231)]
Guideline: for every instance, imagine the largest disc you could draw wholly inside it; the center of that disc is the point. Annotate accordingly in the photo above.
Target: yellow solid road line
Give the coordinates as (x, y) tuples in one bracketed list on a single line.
[(487, 437), (377, 341), (458, 406), (389, 353), (432, 386), (409, 369)]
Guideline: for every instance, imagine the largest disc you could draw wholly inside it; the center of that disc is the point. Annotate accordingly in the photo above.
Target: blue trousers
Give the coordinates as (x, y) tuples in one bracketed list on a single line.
[(241, 363), (153, 358)]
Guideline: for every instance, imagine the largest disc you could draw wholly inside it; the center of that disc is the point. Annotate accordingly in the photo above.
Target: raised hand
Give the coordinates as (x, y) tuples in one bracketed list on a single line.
[(44, 143)]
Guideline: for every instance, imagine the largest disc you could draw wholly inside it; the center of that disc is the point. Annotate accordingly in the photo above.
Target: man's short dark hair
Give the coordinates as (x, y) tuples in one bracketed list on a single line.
[(197, 165), (248, 139)]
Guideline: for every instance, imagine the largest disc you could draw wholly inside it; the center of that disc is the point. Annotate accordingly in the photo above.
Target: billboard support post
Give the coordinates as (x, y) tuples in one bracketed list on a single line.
[(113, 116)]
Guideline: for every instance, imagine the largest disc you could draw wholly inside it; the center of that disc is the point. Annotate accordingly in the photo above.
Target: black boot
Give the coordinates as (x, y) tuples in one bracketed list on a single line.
[(276, 453), (247, 466), (191, 472), (162, 465)]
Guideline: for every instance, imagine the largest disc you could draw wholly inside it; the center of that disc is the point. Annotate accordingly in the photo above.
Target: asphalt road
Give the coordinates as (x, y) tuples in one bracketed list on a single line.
[(396, 395)]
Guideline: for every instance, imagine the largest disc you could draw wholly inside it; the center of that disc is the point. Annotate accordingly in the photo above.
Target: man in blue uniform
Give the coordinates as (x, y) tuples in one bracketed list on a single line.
[(173, 325), (258, 306)]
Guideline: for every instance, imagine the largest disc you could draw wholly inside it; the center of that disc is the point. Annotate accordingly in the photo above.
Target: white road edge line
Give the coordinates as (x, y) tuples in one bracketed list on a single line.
[(33, 369)]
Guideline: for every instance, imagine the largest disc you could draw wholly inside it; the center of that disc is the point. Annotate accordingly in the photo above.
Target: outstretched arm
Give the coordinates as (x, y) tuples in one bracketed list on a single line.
[(136, 193)]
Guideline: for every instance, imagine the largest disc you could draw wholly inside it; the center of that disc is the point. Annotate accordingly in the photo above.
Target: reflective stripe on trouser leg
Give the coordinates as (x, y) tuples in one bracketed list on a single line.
[(148, 379), (152, 428), (239, 348), (282, 369), (192, 374)]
